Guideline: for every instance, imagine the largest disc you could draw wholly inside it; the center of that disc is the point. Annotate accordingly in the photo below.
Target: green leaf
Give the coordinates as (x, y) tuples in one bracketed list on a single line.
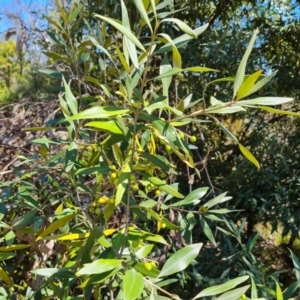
[(169, 73), (249, 156), (240, 74), (192, 197), (133, 284), (217, 200), (265, 101), (106, 126), (99, 112), (140, 267), (254, 294), (93, 170), (159, 161), (176, 57), (180, 260), (140, 253), (182, 40), (62, 11), (261, 83), (54, 272), (253, 242), (226, 131), (247, 85), (185, 28), (200, 69), (71, 156), (131, 49), (122, 183), (71, 100), (207, 231), (100, 266), (278, 291), (101, 48), (55, 56), (123, 30), (162, 185), (123, 60), (7, 255), (153, 238), (224, 109), (55, 226), (166, 81), (218, 289), (296, 264), (234, 294), (142, 8), (25, 219), (278, 111)]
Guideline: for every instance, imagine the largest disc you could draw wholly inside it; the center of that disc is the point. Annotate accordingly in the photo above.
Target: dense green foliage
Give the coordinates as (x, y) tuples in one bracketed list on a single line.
[(133, 203)]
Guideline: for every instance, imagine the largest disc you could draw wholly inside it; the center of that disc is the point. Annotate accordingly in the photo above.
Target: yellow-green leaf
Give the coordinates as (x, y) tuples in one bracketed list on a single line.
[(249, 155), (67, 236), (201, 69), (123, 30), (240, 74), (123, 60), (279, 111), (122, 183), (99, 112), (106, 126), (55, 226), (5, 277), (176, 55), (14, 247), (184, 27), (247, 85)]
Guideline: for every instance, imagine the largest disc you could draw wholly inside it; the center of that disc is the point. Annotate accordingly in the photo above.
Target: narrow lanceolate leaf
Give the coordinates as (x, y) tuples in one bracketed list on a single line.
[(55, 226), (99, 112), (265, 101), (249, 156), (131, 49), (226, 131), (240, 74), (123, 30), (14, 247), (279, 111), (162, 185), (94, 41), (218, 289), (123, 60), (122, 183), (253, 289), (180, 260), (106, 126), (71, 100), (247, 85), (217, 200), (224, 109), (183, 26), (26, 218), (234, 294), (193, 196), (133, 284), (296, 265), (100, 266), (176, 59), (258, 85), (140, 5), (181, 40), (5, 277), (278, 292), (207, 231)]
